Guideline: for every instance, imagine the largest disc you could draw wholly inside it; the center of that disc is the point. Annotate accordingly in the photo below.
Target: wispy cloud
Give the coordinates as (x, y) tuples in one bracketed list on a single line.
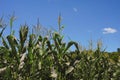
[(75, 9), (109, 30)]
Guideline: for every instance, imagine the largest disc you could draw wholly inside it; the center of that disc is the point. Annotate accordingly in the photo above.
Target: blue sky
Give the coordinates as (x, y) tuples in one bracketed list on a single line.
[(83, 19)]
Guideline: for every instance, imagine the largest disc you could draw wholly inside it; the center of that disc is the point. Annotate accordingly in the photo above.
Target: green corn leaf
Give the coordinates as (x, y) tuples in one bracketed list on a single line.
[(23, 34), (30, 55), (31, 40), (12, 40), (49, 45), (13, 43), (39, 40), (55, 35), (45, 40), (5, 43), (70, 44), (2, 31), (59, 41)]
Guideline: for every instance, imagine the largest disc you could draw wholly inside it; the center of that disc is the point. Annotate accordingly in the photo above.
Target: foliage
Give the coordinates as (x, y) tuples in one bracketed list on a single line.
[(36, 57)]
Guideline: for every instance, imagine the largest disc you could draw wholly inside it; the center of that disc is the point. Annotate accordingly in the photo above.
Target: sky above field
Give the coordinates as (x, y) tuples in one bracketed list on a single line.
[(84, 20)]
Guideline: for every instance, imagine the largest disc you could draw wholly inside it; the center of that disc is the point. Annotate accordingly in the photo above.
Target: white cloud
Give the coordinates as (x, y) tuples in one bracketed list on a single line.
[(109, 30), (75, 9)]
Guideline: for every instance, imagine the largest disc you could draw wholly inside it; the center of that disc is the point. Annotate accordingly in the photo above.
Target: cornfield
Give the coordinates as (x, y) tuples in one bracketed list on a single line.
[(37, 57)]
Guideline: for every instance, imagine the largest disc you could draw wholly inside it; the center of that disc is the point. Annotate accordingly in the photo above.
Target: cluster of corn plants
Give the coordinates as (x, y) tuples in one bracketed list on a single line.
[(36, 57), (29, 57)]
